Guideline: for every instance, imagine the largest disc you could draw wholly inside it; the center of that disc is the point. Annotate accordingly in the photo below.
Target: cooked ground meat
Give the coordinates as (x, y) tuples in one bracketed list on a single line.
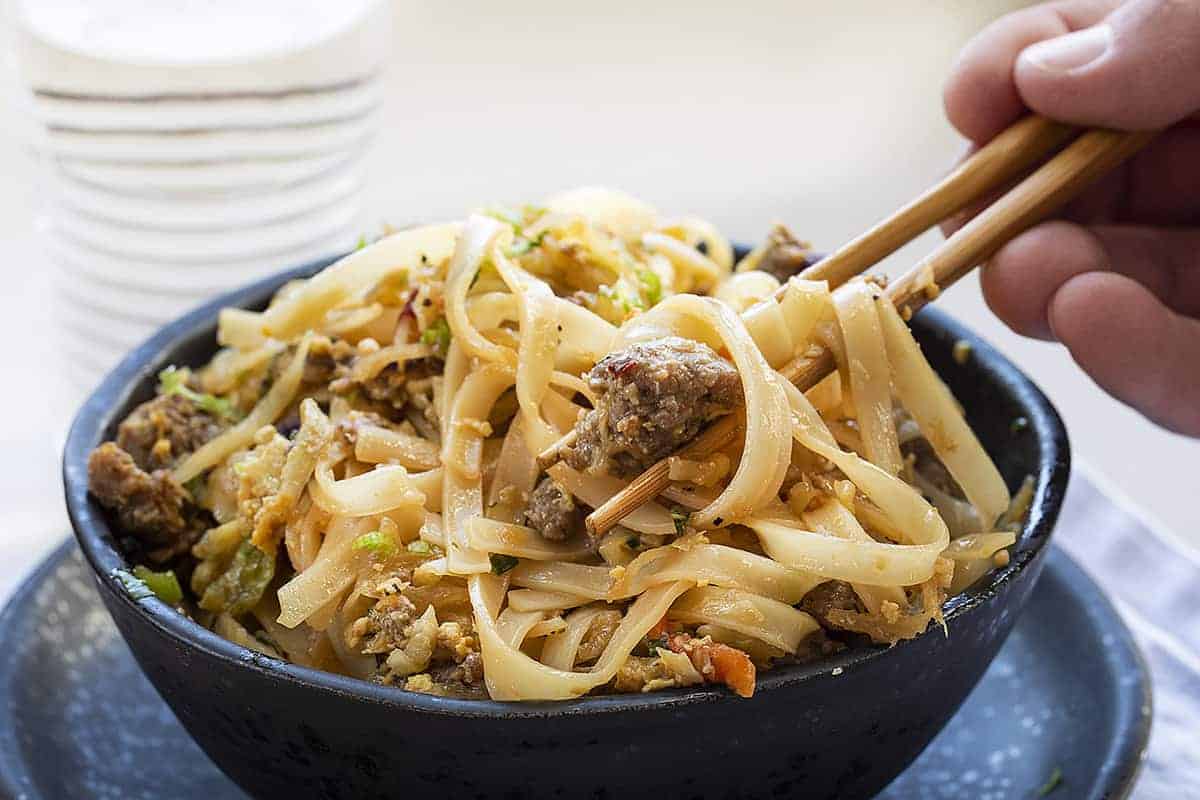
[(385, 626), (785, 256), (827, 597), (654, 397), (327, 360), (150, 506), (552, 512), (162, 431)]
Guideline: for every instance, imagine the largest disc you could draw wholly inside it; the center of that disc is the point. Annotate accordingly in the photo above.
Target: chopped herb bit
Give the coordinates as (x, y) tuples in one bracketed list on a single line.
[(523, 245), (1053, 782), (1019, 425), (620, 299), (174, 381), (506, 215), (420, 547), (376, 542), (651, 287), (135, 587), (438, 334), (362, 242), (680, 518), (241, 586), (163, 584), (502, 563), (633, 542)]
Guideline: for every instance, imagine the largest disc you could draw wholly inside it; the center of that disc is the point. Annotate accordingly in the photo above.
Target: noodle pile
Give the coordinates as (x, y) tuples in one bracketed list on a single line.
[(369, 519)]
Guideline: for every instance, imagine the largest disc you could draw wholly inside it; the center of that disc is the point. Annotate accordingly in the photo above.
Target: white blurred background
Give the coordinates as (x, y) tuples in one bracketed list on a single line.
[(823, 115)]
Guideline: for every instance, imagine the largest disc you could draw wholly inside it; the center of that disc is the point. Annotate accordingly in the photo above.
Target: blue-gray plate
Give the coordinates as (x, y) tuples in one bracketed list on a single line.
[(1063, 711)]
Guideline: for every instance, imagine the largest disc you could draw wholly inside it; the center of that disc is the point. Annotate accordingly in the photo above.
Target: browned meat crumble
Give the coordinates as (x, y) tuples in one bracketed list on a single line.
[(654, 397), (552, 512)]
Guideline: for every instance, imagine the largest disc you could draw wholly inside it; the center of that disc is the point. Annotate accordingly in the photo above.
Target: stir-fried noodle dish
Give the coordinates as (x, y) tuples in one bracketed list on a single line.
[(352, 483)]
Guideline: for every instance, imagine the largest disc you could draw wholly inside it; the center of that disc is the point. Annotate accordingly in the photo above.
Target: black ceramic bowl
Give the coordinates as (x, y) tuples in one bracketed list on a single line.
[(841, 728)]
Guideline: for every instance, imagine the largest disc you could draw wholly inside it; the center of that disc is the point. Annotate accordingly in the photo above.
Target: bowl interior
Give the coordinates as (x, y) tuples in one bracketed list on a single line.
[(1016, 423)]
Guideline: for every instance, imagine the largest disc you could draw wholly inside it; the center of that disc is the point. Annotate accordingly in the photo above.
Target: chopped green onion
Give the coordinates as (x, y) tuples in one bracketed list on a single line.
[(164, 584), (651, 287), (522, 245), (438, 334), (680, 518), (420, 547), (362, 242), (376, 542), (502, 563), (174, 381)]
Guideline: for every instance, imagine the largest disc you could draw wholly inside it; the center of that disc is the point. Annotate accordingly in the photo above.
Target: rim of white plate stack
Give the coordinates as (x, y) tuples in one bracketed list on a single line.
[(189, 147)]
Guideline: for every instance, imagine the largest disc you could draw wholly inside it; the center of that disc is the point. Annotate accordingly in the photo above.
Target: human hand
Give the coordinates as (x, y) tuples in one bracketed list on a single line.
[(1117, 277)]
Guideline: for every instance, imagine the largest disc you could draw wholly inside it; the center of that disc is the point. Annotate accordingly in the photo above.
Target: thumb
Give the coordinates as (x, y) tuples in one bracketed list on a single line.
[(1138, 69)]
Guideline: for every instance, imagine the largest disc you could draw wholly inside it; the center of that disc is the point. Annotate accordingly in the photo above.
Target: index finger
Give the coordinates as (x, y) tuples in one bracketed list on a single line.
[(980, 95)]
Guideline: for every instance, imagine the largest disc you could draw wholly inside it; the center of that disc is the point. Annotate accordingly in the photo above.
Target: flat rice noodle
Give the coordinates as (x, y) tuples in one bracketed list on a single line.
[(537, 600), (385, 488), (342, 323), (512, 675), (265, 412), (701, 270), (430, 484), (516, 473), (353, 275), (547, 627), (240, 329), (330, 575), (493, 536), (701, 231), (744, 289), (583, 340), (561, 412), (462, 457), (805, 304), (370, 365), (475, 244), (778, 624), (535, 354), (714, 564), (621, 214), (757, 480), (376, 445), (279, 508), (930, 403), (870, 376), (769, 328), (594, 490), (580, 580), (562, 649), (454, 372), (514, 626), (872, 563), (834, 519)]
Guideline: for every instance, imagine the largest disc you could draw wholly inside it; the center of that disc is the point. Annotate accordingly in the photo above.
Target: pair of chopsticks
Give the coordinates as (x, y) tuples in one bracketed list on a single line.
[(997, 164)]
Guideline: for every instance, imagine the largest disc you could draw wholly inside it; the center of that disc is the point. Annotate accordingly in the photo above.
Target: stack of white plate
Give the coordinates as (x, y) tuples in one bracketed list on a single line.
[(189, 147)]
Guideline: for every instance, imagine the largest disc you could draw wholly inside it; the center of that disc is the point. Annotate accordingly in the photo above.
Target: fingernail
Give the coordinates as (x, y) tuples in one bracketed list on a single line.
[(1072, 51)]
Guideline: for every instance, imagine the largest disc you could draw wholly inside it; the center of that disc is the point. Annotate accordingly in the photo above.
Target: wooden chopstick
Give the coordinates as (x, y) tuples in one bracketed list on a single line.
[(1005, 157), (1046, 190)]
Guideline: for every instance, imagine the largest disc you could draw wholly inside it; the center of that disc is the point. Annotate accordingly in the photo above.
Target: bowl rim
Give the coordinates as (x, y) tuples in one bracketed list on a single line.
[(99, 413)]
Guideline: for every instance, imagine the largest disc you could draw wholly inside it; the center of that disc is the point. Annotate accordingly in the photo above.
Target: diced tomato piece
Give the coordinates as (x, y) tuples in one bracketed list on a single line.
[(734, 668)]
